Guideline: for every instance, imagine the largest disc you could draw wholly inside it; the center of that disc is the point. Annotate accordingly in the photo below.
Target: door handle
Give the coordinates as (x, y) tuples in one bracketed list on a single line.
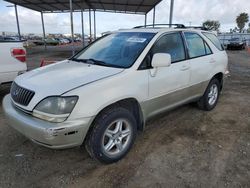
[(184, 68)]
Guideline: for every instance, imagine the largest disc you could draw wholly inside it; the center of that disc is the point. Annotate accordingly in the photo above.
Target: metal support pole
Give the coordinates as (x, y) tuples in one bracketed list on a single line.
[(44, 37), (171, 12), (72, 26), (90, 31), (83, 38), (94, 26), (17, 22), (154, 17), (145, 22)]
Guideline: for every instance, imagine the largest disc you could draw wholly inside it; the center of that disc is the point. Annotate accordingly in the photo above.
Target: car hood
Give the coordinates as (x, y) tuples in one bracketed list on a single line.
[(58, 78)]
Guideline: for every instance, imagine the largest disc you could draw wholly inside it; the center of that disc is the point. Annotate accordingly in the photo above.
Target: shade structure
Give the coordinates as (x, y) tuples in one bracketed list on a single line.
[(122, 6)]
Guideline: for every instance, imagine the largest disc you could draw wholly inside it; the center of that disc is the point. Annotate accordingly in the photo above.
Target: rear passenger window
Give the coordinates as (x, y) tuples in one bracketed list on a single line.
[(214, 40), (172, 44), (196, 45), (208, 50)]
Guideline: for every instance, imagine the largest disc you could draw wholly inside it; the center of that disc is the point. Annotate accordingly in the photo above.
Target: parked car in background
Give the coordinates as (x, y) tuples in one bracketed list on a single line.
[(63, 41), (52, 41), (9, 38), (105, 93), (236, 43), (13, 60), (49, 41)]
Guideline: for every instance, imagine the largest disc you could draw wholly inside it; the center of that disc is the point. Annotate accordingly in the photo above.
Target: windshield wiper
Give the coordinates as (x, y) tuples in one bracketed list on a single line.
[(96, 62), (78, 60)]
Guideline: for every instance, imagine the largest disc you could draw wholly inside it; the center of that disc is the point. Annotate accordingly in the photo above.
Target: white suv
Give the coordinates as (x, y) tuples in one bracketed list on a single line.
[(104, 94)]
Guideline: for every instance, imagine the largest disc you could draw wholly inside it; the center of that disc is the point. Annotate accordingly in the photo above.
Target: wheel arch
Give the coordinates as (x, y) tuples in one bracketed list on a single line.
[(129, 103), (219, 77)]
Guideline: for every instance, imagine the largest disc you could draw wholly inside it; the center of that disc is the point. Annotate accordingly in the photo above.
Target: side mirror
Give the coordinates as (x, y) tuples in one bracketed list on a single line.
[(161, 60)]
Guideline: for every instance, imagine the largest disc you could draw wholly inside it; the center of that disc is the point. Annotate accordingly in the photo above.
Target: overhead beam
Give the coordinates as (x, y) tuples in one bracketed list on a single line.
[(139, 6), (126, 6), (62, 4), (92, 2), (42, 3), (78, 6), (99, 10), (59, 6), (29, 2), (101, 4)]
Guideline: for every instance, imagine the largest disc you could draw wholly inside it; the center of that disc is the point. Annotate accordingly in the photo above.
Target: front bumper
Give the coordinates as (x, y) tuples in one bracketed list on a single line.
[(52, 135)]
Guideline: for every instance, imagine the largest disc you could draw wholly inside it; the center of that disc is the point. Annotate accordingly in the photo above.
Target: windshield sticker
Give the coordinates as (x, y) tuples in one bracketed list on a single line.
[(138, 40)]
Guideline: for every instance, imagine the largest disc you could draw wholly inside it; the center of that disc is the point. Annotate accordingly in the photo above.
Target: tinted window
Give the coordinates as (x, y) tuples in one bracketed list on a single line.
[(214, 40), (195, 43), (171, 44)]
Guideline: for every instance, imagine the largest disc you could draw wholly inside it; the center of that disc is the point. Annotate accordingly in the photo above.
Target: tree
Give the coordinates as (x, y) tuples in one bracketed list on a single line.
[(241, 20), (235, 29), (211, 25), (248, 30)]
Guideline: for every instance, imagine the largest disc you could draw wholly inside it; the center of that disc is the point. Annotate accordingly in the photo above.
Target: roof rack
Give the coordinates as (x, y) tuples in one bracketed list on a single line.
[(154, 25), (177, 26), (197, 27)]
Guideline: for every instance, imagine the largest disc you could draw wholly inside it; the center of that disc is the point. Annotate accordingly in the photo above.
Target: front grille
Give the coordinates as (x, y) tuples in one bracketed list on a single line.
[(21, 95)]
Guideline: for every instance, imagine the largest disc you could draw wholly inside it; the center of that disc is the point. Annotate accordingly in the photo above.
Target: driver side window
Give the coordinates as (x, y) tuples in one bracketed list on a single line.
[(170, 43)]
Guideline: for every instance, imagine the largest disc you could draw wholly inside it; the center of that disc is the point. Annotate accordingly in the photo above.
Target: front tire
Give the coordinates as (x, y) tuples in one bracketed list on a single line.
[(210, 98), (112, 135)]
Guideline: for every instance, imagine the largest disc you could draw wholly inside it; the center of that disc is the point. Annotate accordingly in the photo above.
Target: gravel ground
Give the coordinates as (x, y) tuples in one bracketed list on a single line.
[(182, 148)]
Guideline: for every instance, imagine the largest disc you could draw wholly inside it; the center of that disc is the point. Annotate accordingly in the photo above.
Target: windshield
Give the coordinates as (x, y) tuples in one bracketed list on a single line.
[(115, 50)]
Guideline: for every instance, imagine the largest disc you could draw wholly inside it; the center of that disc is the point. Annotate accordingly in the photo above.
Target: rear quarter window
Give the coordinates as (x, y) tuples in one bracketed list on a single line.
[(214, 40)]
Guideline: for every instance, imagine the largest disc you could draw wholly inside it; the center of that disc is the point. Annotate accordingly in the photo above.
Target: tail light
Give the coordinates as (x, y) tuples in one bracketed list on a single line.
[(19, 54)]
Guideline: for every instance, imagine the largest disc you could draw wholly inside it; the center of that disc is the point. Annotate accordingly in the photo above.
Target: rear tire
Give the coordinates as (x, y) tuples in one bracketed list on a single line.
[(210, 98), (112, 135)]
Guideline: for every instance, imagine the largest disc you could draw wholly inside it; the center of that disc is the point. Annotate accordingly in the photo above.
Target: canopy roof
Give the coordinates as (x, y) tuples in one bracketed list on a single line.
[(122, 6)]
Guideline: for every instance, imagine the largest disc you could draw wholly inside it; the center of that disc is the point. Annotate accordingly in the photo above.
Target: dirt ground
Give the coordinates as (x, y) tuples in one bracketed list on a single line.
[(182, 148)]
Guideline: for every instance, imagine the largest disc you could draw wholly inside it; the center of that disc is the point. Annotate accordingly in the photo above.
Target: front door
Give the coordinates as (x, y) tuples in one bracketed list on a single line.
[(168, 85)]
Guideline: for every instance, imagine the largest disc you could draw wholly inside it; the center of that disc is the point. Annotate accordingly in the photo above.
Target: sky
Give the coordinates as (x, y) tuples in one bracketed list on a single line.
[(185, 12)]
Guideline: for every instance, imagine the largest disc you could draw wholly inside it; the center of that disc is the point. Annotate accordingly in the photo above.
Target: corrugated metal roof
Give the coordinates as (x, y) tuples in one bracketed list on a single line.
[(123, 6)]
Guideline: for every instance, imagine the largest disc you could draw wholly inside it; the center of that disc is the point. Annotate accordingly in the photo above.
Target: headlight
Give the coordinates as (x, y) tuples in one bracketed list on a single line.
[(55, 109)]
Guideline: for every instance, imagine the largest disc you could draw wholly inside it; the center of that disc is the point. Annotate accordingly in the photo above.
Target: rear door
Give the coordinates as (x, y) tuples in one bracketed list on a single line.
[(201, 62)]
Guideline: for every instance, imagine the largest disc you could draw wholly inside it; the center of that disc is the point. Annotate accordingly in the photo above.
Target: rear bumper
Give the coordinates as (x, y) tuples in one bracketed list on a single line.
[(52, 135)]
